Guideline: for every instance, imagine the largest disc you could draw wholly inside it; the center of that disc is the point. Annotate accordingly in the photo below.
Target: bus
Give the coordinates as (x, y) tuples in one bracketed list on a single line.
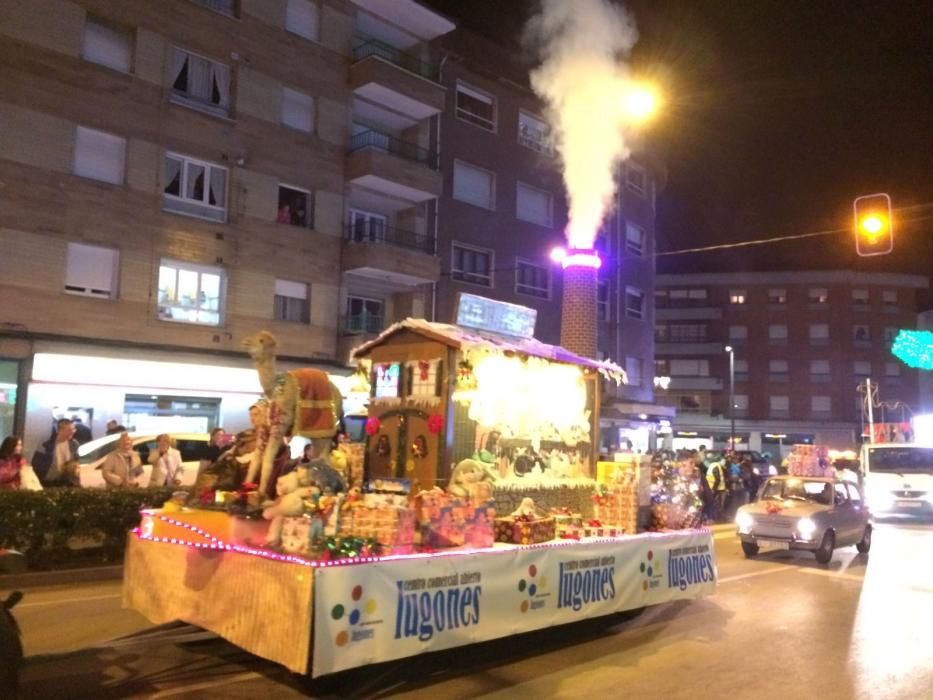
[(898, 479)]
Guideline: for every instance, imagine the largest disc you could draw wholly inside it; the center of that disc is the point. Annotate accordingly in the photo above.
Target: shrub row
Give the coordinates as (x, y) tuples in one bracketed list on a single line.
[(57, 527)]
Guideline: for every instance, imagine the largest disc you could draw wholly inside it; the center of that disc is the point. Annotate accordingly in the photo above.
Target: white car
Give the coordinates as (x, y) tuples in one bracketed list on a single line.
[(91, 456)]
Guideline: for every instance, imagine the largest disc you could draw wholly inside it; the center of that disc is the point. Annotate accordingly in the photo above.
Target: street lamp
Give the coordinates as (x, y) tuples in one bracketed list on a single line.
[(729, 349)]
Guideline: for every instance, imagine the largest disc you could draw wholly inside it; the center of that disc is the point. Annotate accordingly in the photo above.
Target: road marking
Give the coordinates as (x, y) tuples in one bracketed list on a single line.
[(181, 689), (65, 601), (753, 574), (833, 574)]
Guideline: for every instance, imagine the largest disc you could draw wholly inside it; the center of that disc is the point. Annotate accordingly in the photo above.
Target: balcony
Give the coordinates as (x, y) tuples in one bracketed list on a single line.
[(392, 167), (687, 313), (402, 258), (695, 383), (399, 81), (370, 324), (668, 347)]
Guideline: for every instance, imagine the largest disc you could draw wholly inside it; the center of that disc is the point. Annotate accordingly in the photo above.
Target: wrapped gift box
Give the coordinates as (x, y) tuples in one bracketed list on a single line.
[(388, 525), (517, 531), (456, 523)]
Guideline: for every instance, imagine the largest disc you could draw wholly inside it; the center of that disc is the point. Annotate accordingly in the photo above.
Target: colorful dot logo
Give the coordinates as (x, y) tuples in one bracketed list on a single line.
[(339, 611), (531, 586), (647, 568)]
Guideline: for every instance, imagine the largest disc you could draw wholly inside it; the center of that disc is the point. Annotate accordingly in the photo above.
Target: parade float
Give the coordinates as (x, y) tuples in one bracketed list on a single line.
[(472, 511)]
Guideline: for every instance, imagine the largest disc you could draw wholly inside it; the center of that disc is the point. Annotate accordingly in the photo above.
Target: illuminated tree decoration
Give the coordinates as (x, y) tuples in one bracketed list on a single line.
[(914, 348)]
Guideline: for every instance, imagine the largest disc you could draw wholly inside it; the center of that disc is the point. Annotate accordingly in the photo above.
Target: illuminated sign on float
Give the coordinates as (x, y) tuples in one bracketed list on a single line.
[(496, 316)]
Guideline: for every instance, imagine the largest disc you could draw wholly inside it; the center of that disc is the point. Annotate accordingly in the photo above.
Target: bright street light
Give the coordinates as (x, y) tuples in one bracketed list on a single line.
[(640, 102)]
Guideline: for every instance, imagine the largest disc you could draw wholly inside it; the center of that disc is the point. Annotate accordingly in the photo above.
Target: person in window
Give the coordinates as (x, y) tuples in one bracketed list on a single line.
[(122, 467), (285, 215), (166, 463)]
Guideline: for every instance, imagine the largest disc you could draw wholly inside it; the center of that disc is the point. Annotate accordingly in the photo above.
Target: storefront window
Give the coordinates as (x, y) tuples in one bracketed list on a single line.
[(9, 371)]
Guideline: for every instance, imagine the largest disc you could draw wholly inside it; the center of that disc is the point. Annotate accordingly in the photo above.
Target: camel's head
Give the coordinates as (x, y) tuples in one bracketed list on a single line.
[(260, 345)]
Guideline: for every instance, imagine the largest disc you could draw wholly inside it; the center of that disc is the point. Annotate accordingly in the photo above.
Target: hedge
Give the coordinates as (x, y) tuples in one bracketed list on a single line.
[(58, 527)]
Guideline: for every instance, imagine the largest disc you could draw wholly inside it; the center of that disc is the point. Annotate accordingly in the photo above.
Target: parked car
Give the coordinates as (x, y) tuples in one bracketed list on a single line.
[(91, 455), (760, 465), (809, 513)]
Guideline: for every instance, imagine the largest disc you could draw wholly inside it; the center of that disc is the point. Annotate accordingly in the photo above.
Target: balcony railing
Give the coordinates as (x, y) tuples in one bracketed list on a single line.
[(386, 235), (363, 48), (389, 144), (363, 323)]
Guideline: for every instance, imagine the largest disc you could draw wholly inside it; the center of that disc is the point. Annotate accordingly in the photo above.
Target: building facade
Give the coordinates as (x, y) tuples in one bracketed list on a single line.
[(804, 344)]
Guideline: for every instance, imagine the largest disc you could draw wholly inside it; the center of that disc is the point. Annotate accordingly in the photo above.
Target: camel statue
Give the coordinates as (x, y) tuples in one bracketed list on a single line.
[(301, 402)]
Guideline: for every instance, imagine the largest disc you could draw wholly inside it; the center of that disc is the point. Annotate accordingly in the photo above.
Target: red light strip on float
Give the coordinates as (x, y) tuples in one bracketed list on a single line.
[(217, 545)]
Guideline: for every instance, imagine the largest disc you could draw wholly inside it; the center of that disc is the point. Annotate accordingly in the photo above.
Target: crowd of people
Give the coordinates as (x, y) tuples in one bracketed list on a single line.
[(726, 481)]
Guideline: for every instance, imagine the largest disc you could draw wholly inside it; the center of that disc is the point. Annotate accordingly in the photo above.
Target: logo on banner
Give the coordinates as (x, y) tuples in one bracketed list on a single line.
[(650, 568), (689, 566), (585, 581), (533, 589), (360, 627), (426, 607)]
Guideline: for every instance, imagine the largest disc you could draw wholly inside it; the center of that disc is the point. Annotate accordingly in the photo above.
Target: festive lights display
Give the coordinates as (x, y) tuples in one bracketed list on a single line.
[(914, 348)]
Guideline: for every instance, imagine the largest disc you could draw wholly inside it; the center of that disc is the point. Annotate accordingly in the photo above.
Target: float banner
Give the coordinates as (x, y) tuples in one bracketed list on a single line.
[(393, 609)]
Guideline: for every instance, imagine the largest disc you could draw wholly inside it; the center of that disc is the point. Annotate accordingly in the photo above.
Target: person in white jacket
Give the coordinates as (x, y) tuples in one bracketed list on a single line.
[(122, 467), (166, 463)]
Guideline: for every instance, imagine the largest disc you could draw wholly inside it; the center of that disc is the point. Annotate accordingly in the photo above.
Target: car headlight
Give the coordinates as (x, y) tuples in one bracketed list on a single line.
[(806, 528), (744, 521), (772, 470)]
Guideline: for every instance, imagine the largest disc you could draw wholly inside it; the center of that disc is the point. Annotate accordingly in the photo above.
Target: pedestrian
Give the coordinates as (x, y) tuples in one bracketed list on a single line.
[(56, 462), (716, 479), (706, 494), (213, 449), (83, 433), (11, 462), (122, 467), (114, 427), (166, 463)]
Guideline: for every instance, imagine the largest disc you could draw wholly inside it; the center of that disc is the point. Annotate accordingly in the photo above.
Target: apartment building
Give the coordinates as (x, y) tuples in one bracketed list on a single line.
[(803, 343), (503, 210), (178, 175)]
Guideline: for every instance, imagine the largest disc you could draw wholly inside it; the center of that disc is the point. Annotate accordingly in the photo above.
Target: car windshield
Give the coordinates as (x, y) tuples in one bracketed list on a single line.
[(901, 460), (100, 448), (799, 490)]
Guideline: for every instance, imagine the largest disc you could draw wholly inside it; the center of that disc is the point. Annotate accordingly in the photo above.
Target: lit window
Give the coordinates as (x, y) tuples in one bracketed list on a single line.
[(634, 239), (818, 295), (737, 296), (291, 302), (294, 207), (199, 82), (474, 185), (190, 293), (301, 18), (91, 270), (532, 280), (777, 296), (107, 46), (195, 188), (534, 133), (364, 315), (741, 402), (634, 302), (476, 106), (533, 204), (99, 155), (297, 110), (472, 265)]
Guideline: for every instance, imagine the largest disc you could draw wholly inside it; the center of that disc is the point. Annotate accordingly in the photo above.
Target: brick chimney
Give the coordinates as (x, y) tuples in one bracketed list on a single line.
[(578, 331)]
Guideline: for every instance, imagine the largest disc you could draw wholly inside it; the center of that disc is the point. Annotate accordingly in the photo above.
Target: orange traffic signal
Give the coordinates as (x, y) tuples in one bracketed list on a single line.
[(874, 229)]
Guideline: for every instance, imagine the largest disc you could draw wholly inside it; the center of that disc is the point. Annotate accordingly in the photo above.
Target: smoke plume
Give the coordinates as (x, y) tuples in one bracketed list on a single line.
[(581, 78)]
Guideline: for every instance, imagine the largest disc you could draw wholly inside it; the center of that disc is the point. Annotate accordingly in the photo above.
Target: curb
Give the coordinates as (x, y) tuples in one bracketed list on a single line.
[(61, 577)]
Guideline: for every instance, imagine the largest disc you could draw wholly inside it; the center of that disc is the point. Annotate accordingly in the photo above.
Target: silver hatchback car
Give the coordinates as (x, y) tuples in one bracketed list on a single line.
[(804, 512)]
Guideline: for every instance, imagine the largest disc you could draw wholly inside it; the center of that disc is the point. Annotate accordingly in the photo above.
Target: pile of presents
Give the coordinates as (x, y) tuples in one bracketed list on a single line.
[(810, 460)]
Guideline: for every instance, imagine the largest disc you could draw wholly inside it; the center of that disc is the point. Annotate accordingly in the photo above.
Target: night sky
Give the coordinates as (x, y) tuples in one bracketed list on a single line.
[(779, 114)]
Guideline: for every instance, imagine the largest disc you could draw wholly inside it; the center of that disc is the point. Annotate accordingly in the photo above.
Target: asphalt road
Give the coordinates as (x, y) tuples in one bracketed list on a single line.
[(779, 626)]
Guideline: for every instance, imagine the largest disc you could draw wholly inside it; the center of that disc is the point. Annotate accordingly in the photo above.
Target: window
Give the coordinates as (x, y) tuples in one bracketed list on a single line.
[(688, 332), (738, 332), (532, 204), (740, 367), (291, 302), (367, 227), (99, 155), (472, 265), (91, 270), (890, 334), (779, 404), (633, 371), (861, 368), (474, 185), (889, 297), (195, 187), (301, 18), (534, 133), (777, 296), (818, 295), (860, 297), (294, 207), (688, 297), (819, 333), (200, 82), (854, 494), (821, 404), (861, 333), (635, 178), (224, 7), (476, 106), (661, 368), (741, 403), (634, 302), (602, 300), (107, 46), (689, 368), (819, 368), (364, 315), (634, 239), (777, 334), (892, 369), (601, 244), (297, 110), (190, 293), (532, 280), (737, 296), (777, 366)]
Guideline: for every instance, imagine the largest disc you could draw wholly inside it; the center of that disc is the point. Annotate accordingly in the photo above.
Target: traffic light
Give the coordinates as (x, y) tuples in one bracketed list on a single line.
[(874, 230)]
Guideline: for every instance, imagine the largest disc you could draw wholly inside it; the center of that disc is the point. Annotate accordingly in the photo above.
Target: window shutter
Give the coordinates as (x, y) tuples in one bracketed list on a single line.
[(301, 19), (106, 46), (91, 270), (472, 185), (294, 290), (297, 110), (533, 205), (99, 156)]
